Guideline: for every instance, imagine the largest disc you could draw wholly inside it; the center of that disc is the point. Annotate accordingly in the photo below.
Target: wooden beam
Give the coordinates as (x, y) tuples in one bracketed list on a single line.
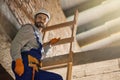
[(69, 67), (10, 31), (85, 57), (64, 41), (24, 9), (54, 66), (61, 25), (82, 6), (69, 71)]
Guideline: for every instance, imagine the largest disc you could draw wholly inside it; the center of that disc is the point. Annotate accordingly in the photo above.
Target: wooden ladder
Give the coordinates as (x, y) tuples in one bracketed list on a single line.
[(73, 25)]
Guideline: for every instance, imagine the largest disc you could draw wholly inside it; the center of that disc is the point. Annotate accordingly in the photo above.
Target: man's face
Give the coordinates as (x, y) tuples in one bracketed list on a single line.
[(41, 20)]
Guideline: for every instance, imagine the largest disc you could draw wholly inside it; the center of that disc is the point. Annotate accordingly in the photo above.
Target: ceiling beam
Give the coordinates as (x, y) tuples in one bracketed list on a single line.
[(97, 22), (8, 22), (85, 57), (96, 13), (99, 32), (82, 6)]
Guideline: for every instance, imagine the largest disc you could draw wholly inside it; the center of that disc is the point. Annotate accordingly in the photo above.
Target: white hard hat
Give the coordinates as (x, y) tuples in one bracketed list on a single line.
[(44, 11)]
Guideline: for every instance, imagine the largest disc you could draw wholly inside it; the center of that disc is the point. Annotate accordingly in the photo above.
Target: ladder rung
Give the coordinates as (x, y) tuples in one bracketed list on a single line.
[(62, 41), (54, 66), (61, 25), (57, 66)]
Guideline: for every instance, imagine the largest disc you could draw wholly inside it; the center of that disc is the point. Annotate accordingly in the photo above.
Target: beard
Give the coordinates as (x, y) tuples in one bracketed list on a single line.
[(39, 25)]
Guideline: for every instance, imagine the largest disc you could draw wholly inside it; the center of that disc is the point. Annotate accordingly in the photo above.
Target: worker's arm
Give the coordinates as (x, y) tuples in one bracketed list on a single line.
[(21, 38), (46, 48), (48, 45), (19, 41)]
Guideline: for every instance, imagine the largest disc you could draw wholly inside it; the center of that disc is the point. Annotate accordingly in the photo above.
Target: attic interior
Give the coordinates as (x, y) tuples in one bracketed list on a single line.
[(97, 41)]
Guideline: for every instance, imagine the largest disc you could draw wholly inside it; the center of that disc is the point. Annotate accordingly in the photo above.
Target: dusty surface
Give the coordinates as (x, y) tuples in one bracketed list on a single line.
[(5, 58), (105, 70)]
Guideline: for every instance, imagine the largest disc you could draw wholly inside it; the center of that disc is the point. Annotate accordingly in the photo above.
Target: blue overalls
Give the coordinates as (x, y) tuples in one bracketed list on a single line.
[(41, 74)]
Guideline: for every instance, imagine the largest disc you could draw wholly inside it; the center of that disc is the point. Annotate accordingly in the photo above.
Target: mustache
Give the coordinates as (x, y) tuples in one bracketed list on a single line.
[(40, 24)]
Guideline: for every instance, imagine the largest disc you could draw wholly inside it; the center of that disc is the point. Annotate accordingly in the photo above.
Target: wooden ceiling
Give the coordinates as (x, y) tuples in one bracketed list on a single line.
[(24, 10)]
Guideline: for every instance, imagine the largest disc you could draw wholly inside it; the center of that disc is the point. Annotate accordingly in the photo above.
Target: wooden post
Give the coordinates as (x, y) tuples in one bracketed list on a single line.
[(69, 67), (70, 60)]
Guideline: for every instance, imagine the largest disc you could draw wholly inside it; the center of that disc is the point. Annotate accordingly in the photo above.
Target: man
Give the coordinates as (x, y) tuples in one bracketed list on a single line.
[(27, 50)]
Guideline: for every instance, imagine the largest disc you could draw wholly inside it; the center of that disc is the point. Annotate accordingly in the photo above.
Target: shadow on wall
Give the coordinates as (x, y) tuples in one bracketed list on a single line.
[(7, 26), (4, 75)]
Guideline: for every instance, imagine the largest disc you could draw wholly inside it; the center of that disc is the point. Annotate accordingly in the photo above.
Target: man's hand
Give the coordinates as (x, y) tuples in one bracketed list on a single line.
[(19, 67), (54, 41)]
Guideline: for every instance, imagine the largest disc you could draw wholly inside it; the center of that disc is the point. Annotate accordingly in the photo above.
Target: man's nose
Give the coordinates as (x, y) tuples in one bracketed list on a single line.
[(42, 21)]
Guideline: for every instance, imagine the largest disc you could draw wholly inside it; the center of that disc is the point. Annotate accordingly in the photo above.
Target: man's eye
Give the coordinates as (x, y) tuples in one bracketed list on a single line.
[(40, 17)]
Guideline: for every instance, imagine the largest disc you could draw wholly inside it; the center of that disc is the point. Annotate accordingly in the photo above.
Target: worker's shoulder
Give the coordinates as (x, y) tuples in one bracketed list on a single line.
[(26, 27)]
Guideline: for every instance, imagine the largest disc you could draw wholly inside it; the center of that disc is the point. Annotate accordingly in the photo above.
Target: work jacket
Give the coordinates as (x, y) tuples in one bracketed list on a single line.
[(25, 40)]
